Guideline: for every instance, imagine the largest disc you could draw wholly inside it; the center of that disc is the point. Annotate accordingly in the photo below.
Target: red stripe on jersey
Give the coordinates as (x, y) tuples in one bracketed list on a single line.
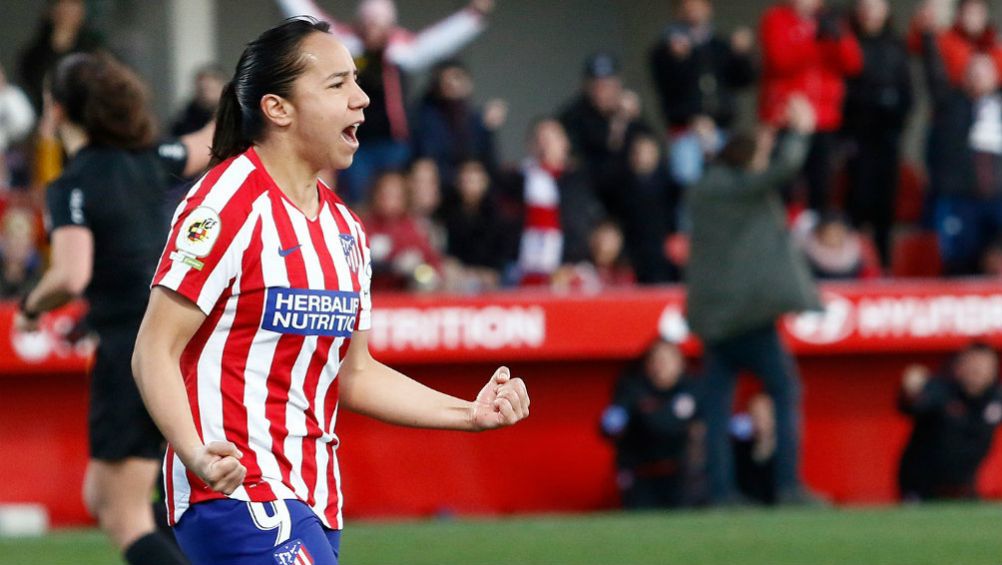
[(313, 431), (289, 345), (330, 405), (189, 370), (324, 343), (236, 351)]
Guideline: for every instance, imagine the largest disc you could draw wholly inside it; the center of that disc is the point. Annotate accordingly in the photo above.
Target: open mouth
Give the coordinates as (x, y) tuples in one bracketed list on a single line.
[(350, 134)]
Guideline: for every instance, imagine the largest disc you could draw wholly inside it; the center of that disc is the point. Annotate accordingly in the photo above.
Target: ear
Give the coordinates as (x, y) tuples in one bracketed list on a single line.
[(277, 110)]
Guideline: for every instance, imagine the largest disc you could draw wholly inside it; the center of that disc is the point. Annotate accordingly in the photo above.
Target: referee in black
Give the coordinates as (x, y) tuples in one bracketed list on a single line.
[(107, 216)]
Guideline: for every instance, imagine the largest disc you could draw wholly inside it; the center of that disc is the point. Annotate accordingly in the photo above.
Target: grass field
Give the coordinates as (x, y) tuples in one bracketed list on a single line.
[(940, 535)]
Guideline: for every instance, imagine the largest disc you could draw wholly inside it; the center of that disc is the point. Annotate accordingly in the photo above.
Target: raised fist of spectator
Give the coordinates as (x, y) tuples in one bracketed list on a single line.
[(629, 105), (800, 115), (742, 40), (495, 113)]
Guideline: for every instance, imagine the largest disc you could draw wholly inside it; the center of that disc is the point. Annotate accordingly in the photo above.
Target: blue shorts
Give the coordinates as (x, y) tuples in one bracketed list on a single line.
[(233, 532)]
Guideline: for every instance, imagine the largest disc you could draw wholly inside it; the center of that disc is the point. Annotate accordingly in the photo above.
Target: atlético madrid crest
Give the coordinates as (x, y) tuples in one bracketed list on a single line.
[(351, 253)]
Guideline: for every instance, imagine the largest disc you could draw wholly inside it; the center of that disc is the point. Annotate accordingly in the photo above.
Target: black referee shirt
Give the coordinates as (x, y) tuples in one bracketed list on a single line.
[(120, 197)]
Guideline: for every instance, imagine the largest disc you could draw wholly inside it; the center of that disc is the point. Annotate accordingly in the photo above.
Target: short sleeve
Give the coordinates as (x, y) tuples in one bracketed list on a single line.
[(173, 156), (201, 257), (365, 284), (66, 204)]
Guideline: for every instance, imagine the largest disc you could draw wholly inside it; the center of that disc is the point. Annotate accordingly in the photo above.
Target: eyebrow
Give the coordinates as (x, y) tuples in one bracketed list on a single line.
[(343, 74)]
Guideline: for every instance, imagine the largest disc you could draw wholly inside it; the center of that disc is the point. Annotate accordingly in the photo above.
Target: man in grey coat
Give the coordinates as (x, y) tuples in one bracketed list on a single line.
[(743, 275)]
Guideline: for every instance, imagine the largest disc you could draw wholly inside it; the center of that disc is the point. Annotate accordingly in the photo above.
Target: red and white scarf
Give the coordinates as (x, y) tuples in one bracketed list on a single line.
[(542, 238)]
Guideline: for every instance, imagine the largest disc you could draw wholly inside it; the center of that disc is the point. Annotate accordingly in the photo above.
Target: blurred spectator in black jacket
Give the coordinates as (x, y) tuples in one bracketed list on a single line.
[(697, 73), (964, 157), (63, 30), (753, 435), (448, 127), (650, 419), (646, 204), (877, 103), (476, 232), (955, 419), (20, 263), (601, 121), (209, 83)]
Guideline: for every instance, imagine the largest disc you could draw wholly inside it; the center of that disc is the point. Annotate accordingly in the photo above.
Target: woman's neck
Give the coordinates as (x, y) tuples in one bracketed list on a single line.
[(73, 138), (294, 177)]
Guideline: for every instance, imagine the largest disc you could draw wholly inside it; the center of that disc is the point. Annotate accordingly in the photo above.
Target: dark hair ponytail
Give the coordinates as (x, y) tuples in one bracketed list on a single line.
[(268, 65), (228, 139)]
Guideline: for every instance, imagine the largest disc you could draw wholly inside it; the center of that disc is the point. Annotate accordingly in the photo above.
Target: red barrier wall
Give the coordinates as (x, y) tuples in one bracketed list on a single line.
[(570, 350)]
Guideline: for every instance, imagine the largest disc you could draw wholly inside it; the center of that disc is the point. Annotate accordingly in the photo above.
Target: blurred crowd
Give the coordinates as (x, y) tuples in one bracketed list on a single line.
[(600, 198), (657, 421)]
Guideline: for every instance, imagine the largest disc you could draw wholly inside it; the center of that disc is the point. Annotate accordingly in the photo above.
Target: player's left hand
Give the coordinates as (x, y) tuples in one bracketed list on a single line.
[(502, 402)]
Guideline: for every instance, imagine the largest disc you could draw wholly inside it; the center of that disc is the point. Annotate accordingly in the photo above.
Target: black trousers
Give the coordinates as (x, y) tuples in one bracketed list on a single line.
[(873, 185), (819, 170)]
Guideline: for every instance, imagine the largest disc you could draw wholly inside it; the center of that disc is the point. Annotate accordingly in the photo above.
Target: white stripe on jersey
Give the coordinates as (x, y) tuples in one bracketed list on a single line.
[(298, 403), (210, 363), (218, 196), (295, 415), (178, 479), (272, 264)]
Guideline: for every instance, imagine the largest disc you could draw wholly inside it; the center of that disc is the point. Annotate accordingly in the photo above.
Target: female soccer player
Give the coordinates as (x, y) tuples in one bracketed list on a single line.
[(256, 331), (107, 221)]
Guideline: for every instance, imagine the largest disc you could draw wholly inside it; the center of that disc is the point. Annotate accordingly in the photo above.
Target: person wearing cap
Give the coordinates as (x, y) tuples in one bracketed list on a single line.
[(697, 73), (651, 419), (601, 121), (385, 54)]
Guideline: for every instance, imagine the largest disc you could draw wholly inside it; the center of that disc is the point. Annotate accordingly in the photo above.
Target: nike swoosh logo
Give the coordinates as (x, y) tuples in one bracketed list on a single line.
[(287, 252)]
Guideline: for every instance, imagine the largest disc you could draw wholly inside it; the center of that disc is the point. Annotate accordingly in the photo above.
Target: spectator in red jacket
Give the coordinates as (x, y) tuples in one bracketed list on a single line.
[(807, 49), (972, 33)]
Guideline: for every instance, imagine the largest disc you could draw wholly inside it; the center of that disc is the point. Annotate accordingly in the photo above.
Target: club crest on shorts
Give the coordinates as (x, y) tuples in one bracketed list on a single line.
[(293, 553), (351, 253), (199, 232)]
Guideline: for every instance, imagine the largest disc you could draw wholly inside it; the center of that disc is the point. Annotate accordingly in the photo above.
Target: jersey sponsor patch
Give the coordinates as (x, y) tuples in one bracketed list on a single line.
[(293, 553), (200, 232), (310, 312)]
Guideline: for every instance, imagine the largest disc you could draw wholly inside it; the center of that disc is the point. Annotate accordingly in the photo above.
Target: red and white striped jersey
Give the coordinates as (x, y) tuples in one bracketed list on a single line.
[(282, 294)]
